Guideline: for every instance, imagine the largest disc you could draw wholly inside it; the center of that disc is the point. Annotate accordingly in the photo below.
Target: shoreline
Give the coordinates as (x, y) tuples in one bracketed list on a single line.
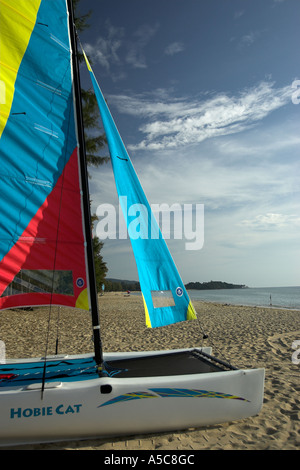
[(250, 337), (276, 307)]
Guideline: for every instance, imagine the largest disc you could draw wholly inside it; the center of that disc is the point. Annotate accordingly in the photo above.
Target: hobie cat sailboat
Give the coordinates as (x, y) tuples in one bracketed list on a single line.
[(46, 259)]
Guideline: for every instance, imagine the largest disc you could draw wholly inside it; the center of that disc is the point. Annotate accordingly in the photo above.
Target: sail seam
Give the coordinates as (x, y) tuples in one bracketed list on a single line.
[(3, 64), (17, 11)]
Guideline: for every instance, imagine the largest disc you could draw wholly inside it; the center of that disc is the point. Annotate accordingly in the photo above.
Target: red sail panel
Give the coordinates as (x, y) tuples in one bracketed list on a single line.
[(50, 250)]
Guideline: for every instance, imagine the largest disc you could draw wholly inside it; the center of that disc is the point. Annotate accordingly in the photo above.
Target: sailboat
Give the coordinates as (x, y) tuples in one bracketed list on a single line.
[(47, 259)]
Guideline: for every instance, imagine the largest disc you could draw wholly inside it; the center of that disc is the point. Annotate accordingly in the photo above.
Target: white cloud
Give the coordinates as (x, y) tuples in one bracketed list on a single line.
[(247, 181), (106, 49), (114, 48), (142, 36), (272, 221), (174, 48), (253, 172), (250, 38), (177, 122), (248, 184), (247, 39), (238, 14)]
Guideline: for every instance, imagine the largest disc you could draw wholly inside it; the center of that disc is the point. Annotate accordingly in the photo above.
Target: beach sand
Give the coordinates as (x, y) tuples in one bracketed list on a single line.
[(248, 337)]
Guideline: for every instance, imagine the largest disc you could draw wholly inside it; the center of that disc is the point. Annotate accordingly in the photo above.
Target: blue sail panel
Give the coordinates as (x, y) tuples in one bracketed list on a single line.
[(165, 298)]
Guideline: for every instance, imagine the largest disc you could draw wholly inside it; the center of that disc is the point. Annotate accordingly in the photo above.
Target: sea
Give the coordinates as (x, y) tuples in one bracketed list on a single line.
[(277, 297)]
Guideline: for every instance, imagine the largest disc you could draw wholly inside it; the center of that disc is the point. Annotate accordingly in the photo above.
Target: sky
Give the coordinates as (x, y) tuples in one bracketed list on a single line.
[(205, 95)]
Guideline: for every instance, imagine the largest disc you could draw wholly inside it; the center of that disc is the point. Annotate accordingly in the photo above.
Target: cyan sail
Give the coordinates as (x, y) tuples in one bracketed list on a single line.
[(42, 242), (165, 298)]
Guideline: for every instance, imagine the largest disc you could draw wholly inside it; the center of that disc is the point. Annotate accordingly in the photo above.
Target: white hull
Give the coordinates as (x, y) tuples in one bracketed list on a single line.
[(72, 410)]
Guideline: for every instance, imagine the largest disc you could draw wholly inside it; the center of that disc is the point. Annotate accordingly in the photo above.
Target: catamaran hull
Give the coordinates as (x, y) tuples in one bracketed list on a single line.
[(110, 406)]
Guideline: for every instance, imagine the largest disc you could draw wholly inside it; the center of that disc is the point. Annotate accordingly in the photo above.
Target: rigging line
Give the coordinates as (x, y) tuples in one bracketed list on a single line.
[(57, 330), (204, 334), (55, 256), (57, 231), (215, 348)]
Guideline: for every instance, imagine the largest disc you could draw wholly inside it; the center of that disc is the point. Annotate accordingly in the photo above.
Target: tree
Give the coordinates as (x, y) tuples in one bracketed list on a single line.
[(95, 142), (100, 265), (80, 20)]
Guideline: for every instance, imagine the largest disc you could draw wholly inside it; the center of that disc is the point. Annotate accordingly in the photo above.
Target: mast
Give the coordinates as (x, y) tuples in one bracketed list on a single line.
[(85, 189)]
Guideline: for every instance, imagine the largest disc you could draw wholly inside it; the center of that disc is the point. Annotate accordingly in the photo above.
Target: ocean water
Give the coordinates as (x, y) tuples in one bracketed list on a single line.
[(283, 297)]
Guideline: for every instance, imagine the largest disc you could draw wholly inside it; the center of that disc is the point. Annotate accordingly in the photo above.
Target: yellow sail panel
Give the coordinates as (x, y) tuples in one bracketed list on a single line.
[(87, 61), (191, 313), (14, 39), (148, 321)]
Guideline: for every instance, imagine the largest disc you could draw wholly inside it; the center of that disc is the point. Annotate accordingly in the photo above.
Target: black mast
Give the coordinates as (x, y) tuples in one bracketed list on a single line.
[(85, 189)]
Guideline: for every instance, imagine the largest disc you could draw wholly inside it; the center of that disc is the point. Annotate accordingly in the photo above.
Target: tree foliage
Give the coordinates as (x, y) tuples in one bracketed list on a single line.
[(95, 143), (100, 265), (80, 20), (95, 140), (213, 285)]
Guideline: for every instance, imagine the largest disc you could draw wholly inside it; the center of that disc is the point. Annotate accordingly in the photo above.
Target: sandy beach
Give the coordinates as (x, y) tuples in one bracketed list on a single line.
[(247, 337)]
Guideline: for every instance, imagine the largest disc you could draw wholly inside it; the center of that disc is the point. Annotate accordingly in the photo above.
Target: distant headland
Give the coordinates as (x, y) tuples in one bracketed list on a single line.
[(213, 285), (124, 285)]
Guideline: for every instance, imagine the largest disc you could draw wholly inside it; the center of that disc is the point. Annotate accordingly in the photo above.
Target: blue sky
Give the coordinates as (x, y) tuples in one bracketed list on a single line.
[(201, 92)]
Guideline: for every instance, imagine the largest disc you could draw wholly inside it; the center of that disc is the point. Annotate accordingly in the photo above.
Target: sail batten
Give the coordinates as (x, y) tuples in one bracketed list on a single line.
[(156, 269)]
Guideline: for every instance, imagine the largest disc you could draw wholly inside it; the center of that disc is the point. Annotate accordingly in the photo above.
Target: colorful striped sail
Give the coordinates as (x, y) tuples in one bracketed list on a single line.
[(42, 242), (165, 298)]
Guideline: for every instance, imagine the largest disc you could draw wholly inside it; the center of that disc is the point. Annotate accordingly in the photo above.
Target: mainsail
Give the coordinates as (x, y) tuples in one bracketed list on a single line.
[(165, 298), (42, 237)]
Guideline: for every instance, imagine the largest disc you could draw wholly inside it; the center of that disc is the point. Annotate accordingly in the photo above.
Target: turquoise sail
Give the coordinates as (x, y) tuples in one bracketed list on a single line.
[(165, 298)]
